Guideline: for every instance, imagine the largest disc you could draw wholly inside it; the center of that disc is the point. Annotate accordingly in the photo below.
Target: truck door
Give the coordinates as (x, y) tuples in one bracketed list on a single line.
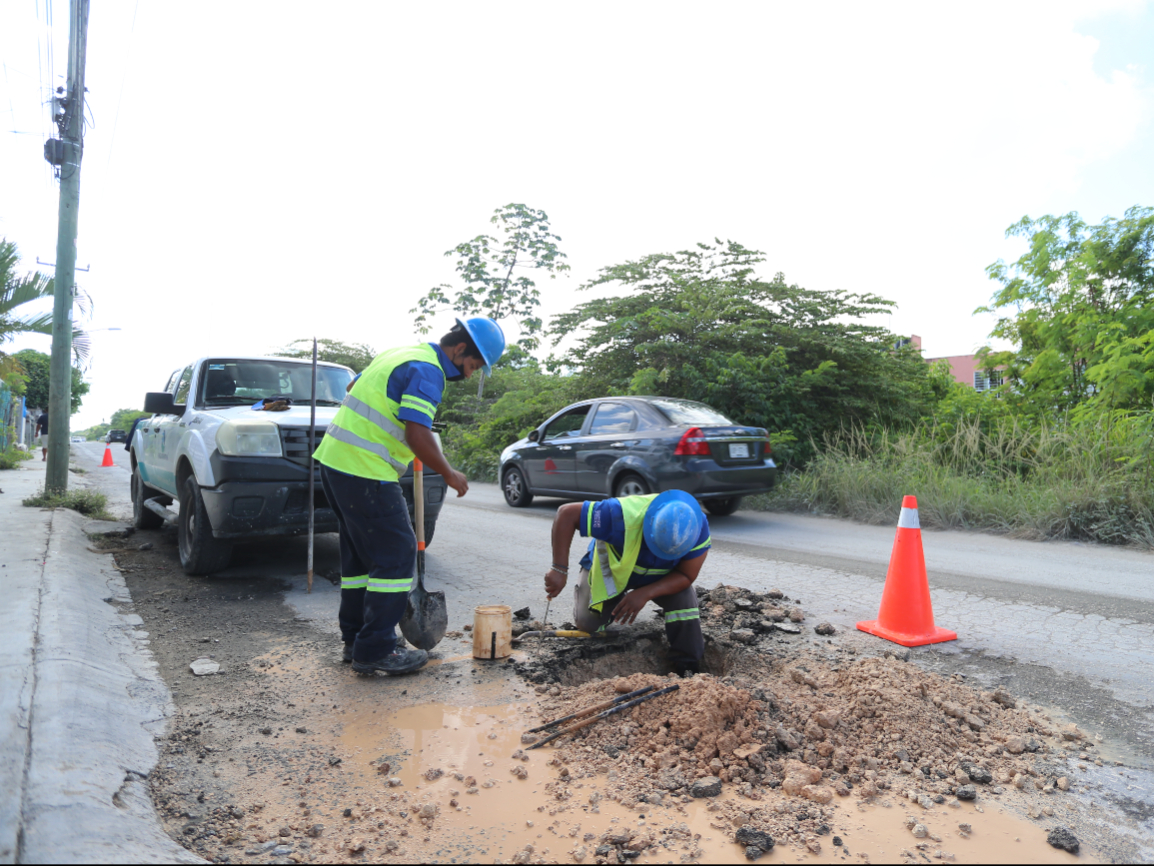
[(166, 438)]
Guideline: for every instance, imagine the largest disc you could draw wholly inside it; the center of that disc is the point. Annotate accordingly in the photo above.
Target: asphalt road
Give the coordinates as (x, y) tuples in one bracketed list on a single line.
[(1067, 626)]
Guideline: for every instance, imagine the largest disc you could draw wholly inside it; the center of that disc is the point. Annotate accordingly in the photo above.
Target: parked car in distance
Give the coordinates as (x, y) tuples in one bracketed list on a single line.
[(116, 436), (628, 446), (238, 472), (77, 439)]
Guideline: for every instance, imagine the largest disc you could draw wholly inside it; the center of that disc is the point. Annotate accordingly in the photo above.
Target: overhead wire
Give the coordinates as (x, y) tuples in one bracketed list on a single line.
[(123, 78)]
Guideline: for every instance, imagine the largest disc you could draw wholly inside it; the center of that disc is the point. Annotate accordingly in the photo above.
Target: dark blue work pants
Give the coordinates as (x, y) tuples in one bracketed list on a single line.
[(378, 559)]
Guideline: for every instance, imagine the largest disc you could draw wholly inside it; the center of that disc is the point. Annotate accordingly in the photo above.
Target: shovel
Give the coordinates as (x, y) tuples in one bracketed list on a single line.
[(426, 616)]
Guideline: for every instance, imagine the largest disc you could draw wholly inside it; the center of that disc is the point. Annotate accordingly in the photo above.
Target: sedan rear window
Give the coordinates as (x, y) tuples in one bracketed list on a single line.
[(689, 412)]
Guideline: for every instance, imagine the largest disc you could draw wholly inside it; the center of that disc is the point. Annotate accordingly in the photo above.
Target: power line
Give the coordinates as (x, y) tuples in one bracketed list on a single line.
[(123, 78)]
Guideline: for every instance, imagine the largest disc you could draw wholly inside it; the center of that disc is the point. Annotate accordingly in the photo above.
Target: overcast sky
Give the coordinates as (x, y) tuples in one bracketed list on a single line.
[(261, 172)]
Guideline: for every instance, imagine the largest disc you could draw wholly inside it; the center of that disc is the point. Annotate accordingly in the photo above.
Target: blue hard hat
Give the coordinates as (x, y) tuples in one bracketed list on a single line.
[(672, 524), (488, 337)]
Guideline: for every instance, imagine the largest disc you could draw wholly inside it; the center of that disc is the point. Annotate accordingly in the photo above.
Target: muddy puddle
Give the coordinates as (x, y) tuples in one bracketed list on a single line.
[(459, 761)]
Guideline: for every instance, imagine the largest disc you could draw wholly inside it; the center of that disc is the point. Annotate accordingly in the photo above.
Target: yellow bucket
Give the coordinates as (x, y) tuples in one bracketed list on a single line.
[(492, 631)]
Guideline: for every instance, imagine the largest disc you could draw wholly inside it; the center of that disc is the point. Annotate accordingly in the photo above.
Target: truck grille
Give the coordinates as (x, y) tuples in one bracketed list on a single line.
[(295, 442)]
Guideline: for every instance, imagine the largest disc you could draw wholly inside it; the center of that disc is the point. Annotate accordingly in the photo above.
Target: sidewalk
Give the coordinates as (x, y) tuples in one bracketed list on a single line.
[(80, 698)]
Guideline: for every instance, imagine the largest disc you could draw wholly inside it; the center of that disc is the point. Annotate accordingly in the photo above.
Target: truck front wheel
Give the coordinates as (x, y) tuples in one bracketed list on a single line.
[(200, 553)]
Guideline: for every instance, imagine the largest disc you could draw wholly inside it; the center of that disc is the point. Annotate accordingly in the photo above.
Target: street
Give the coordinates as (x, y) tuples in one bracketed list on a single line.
[(1067, 626)]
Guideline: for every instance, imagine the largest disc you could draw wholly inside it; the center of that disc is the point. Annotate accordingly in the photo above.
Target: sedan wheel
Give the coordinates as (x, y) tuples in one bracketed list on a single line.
[(723, 507), (517, 492), (630, 485)]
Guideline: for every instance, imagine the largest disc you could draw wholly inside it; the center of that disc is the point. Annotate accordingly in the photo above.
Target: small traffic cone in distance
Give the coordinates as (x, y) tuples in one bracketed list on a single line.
[(107, 457), (906, 615)]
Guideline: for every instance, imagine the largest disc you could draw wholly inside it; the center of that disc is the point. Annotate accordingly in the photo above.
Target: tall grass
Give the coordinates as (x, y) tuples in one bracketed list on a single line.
[(1087, 479)]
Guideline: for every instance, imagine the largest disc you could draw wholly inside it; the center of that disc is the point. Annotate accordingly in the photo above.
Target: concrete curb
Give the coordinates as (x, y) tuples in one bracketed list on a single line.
[(82, 699)]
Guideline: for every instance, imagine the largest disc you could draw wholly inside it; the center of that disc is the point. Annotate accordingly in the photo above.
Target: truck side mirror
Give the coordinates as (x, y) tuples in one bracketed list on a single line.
[(534, 435), (160, 403)]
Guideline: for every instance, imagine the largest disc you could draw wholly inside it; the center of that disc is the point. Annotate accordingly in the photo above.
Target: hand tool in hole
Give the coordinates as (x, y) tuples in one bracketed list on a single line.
[(426, 617), (553, 632), (604, 714)]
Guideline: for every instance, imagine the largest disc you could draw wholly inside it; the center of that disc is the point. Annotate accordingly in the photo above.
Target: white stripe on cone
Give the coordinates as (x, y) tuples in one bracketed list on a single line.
[(909, 519)]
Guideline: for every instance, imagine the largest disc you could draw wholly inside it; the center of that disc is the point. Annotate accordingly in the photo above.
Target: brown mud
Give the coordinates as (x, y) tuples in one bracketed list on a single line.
[(287, 756)]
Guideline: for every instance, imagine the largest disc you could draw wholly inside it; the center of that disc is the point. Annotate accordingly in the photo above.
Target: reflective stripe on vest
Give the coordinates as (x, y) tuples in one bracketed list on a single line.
[(366, 411), (350, 438)]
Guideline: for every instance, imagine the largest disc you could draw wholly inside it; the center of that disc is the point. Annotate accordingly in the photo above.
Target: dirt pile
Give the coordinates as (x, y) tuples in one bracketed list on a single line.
[(811, 719)]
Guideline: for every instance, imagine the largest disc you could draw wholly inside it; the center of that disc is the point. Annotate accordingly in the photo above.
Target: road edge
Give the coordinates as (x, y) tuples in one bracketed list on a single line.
[(96, 705)]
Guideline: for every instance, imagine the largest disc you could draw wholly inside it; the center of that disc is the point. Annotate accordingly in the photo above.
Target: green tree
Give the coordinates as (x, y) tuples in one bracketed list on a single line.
[(35, 365), (492, 271), (1081, 315), (19, 297), (357, 356), (700, 324)]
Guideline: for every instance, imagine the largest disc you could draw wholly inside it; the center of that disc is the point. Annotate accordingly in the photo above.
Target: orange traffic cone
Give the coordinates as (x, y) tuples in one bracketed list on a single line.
[(107, 457), (906, 616)]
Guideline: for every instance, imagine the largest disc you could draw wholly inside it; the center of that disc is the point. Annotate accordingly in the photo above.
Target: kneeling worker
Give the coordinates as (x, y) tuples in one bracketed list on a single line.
[(644, 548), (386, 419)]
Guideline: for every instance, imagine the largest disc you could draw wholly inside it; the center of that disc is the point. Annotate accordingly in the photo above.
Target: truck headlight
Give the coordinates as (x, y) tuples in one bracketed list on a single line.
[(248, 439)]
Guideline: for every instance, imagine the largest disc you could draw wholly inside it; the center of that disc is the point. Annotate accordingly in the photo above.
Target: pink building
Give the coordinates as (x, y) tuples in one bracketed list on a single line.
[(965, 369)]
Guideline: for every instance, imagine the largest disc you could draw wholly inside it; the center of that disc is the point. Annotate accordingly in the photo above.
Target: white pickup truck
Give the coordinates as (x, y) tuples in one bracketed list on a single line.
[(237, 471)]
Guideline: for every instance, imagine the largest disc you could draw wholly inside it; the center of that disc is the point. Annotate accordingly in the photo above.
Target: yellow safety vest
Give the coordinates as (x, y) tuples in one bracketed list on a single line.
[(367, 437), (611, 571)]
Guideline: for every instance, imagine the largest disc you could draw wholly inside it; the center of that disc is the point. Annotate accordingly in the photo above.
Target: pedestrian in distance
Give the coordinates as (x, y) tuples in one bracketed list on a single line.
[(384, 421), (642, 549), (42, 434)]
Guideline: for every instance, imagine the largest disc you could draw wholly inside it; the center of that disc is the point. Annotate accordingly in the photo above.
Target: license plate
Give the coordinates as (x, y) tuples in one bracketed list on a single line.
[(738, 450)]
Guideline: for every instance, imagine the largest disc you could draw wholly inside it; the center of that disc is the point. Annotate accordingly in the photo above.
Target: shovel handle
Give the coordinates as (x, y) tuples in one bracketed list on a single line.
[(419, 502)]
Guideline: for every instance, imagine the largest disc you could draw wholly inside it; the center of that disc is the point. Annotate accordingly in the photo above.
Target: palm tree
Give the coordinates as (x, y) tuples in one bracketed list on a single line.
[(17, 293)]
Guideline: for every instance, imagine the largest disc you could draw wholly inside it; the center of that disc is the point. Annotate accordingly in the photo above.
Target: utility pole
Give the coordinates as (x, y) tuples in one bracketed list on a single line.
[(72, 135)]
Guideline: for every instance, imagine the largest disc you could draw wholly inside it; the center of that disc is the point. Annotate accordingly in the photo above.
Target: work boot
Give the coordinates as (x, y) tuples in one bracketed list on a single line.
[(347, 655), (399, 661)]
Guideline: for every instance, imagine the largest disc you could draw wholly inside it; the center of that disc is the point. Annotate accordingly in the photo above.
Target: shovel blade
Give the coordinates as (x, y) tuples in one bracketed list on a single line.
[(426, 618)]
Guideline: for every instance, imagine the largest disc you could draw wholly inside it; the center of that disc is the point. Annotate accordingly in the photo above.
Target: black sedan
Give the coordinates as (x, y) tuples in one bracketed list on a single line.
[(629, 446)]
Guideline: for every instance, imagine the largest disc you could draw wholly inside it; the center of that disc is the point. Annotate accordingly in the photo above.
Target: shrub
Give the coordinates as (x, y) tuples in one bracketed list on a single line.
[(1083, 479)]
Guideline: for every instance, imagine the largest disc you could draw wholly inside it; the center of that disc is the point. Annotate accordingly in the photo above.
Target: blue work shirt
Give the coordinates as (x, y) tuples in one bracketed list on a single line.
[(419, 379), (607, 523)]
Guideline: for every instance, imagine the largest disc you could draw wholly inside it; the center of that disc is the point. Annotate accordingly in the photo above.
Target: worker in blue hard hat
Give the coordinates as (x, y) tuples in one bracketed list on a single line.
[(642, 549), (384, 422)]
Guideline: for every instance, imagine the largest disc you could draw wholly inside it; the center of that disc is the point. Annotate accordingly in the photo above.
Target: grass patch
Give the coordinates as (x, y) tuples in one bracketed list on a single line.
[(1087, 481), (90, 503)]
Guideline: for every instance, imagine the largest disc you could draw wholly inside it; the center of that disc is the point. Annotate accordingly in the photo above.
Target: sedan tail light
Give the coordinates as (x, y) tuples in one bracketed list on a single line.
[(768, 446), (692, 444)]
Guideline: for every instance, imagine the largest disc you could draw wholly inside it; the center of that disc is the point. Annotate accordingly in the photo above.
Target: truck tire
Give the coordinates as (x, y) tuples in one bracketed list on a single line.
[(142, 518), (200, 553), (430, 525)]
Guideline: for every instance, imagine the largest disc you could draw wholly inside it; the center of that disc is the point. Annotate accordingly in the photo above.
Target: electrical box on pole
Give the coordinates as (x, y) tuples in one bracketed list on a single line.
[(68, 110)]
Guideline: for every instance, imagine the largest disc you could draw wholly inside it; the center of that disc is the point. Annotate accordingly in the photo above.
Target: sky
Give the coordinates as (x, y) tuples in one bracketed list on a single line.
[(259, 172)]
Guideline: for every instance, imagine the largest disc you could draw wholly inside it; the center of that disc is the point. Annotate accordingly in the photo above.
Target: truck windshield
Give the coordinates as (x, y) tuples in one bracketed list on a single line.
[(234, 382)]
